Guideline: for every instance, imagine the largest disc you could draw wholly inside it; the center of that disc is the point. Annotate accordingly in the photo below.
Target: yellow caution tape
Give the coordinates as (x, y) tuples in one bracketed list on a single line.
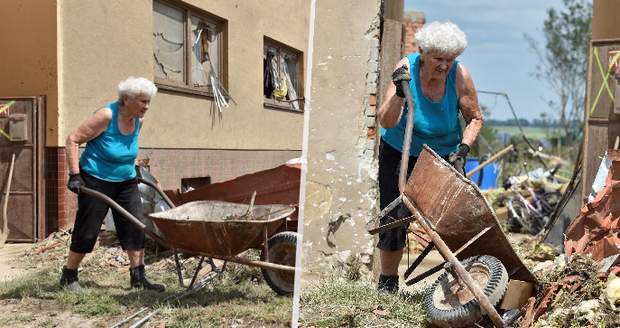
[(605, 84)]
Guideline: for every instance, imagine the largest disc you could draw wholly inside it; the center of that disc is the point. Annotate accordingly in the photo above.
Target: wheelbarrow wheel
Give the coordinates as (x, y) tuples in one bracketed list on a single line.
[(282, 249), (449, 304)]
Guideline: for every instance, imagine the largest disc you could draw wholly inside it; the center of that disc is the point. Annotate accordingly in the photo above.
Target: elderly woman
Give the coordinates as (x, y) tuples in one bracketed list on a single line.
[(108, 166), (441, 88)]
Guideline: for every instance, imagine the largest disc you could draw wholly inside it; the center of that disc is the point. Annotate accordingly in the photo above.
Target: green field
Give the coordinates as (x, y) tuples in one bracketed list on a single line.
[(530, 132)]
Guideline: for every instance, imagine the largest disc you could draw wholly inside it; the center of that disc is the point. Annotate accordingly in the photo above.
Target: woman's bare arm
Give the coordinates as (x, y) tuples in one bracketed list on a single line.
[(468, 103), (90, 129)]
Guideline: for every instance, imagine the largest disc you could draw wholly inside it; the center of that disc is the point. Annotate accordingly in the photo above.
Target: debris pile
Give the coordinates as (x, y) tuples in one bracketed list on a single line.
[(581, 288)]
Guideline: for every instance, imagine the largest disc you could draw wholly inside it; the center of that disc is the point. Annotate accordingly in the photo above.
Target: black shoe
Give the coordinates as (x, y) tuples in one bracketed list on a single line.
[(388, 284), (140, 280), (69, 280)]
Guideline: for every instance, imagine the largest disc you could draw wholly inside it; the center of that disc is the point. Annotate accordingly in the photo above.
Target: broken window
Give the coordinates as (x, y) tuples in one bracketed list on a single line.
[(281, 78), (186, 49)]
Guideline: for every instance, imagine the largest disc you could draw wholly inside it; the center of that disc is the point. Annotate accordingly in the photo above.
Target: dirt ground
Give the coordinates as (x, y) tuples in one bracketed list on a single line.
[(8, 271), (7, 253)]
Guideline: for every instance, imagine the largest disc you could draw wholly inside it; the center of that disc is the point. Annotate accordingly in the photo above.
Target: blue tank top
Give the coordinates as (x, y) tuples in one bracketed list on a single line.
[(435, 123), (111, 156)]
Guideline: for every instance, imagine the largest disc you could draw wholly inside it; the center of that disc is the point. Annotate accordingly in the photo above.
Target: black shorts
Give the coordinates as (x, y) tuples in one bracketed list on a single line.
[(389, 169), (92, 211)]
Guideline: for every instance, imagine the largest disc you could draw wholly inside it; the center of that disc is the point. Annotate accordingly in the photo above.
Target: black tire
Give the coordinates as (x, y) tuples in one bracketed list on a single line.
[(282, 250), (447, 305)]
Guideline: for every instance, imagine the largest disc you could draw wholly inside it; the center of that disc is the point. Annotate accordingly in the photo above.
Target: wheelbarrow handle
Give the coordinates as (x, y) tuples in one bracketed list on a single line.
[(126, 214), (404, 161)]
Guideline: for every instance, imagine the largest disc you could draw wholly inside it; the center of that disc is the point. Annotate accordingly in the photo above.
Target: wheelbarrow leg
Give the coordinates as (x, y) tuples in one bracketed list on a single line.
[(418, 260), (425, 274), (178, 266), (202, 258), (180, 275), (447, 254)]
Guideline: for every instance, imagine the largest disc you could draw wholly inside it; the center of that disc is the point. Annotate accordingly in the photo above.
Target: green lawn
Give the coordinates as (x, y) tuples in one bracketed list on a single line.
[(530, 132)]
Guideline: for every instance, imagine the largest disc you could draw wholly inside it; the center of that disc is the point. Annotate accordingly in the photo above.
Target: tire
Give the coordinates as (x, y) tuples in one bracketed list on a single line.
[(447, 305), (282, 250)]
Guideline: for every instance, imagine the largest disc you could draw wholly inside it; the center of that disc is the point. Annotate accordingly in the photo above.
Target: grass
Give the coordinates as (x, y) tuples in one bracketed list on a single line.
[(343, 303), (529, 131), (237, 297)]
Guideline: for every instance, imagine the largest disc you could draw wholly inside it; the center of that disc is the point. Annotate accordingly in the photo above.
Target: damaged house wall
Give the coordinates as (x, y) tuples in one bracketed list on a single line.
[(84, 48), (184, 134), (341, 187)]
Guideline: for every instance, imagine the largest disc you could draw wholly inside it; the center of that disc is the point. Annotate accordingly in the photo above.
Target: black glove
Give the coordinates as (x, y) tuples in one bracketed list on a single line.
[(458, 158), (399, 75), (138, 173), (75, 183)]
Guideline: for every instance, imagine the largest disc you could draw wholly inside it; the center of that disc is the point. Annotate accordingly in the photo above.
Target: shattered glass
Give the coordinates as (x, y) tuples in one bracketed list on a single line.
[(204, 50), (168, 42)]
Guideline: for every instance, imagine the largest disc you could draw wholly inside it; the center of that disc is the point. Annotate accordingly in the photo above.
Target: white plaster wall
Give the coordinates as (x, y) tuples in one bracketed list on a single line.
[(341, 177)]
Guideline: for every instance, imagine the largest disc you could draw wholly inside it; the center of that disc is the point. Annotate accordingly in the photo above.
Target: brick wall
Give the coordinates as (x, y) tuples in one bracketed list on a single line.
[(412, 22), (168, 166)]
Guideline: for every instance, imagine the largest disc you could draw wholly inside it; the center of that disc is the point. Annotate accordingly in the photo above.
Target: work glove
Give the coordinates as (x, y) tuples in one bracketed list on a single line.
[(399, 75), (138, 173), (458, 158), (75, 183)]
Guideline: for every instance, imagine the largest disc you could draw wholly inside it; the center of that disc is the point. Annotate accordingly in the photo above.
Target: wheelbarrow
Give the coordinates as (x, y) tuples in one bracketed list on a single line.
[(462, 227), (223, 230)]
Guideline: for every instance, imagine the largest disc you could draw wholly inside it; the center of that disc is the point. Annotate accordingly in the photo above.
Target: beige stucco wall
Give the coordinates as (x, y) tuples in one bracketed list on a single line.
[(28, 54), (103, 42)]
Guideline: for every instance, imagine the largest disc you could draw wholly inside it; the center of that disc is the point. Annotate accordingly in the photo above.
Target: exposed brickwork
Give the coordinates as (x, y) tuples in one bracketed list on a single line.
[(411, 24), (169, 166), (372, 78)]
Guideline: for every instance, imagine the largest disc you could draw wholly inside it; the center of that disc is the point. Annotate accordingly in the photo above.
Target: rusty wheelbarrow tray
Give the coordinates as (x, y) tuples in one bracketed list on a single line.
[(223, 230), (459, 220)]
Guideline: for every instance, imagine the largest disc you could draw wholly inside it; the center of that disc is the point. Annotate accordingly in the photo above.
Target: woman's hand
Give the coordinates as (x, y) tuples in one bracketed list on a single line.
[(75, 183)]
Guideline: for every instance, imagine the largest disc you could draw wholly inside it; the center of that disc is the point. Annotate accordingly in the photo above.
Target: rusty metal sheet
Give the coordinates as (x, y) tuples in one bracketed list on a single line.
[(279, 185), (458, 211)]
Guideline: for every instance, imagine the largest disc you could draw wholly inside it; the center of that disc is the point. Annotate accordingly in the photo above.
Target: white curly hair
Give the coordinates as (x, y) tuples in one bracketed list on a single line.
[(445, 37), (136, 86)]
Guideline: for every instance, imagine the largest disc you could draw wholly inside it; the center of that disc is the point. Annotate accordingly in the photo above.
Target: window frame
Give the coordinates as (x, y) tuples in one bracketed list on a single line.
[(286, 104), (188, 86)]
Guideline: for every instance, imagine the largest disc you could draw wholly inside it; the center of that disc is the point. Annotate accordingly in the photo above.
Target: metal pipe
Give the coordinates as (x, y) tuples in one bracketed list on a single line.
[(240, 260), (447, 254), (126, 214)]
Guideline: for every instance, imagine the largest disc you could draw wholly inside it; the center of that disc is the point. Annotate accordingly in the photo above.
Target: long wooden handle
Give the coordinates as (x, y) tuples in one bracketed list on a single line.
[(404, 160), (490, 160)]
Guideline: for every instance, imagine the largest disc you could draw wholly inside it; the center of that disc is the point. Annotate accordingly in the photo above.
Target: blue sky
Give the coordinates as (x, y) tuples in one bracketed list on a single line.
[(498, 56)]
